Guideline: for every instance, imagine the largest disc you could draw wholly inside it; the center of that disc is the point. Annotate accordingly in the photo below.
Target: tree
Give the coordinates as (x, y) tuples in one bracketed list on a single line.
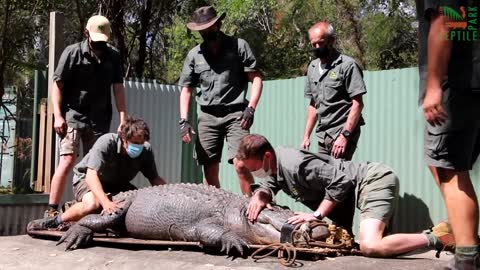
[(153, 40)]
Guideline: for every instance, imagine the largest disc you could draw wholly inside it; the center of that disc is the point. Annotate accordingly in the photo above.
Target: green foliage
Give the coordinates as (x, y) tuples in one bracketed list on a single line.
[(181, 41), (377, 33), (391, 42)]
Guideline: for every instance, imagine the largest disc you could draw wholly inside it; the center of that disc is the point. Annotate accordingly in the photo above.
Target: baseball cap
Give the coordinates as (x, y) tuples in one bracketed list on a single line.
[(98, 28)]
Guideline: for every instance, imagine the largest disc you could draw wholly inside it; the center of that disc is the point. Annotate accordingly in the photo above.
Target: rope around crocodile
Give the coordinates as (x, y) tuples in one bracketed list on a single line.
[(287, 252)]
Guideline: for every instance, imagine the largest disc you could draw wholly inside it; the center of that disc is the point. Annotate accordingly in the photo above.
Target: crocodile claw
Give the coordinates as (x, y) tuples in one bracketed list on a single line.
[(75, 237), (230, 241)]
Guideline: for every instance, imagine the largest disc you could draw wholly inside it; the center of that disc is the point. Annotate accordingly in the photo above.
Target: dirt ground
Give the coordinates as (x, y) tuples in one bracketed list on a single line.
[(24, 252)]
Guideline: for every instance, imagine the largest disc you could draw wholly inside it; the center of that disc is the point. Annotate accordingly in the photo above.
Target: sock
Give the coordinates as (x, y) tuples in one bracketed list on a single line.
[(433, 241), (58, 219), (53, 206), (469, 251)]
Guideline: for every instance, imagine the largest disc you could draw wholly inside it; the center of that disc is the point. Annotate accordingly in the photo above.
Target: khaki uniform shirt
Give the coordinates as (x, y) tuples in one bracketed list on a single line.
[(86, 95), (114, 167), (309, 177), (220, 80), (331, 92)]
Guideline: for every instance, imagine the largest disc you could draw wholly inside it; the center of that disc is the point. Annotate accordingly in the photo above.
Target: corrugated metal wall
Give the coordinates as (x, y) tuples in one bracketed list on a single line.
[(17, 210), (393, 134), (158, 105)]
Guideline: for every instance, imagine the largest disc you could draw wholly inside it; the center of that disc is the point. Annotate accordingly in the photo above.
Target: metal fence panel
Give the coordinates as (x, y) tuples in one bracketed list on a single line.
[(17, 210), (158, 105)]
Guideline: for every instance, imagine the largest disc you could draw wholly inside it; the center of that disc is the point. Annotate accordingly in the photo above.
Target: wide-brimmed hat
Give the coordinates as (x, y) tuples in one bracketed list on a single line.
[(98, 28), (203, 18)]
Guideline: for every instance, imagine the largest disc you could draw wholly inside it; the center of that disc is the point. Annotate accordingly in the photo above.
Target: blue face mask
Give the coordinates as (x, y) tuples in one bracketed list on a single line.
[(134, 150)]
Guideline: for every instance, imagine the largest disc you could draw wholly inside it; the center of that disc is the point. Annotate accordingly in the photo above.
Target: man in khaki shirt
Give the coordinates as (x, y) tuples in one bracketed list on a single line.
[(81, 99), (334, 86), (107, 169), (220, 68), (321, 182)]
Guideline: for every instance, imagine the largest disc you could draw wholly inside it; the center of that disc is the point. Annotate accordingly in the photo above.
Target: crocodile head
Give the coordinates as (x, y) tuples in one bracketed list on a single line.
[(267, 228)]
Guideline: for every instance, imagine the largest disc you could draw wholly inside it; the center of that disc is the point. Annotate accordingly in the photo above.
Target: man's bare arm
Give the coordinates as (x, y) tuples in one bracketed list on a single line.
[(59, 125), (119, 93), (93, 182), (185, 98), (257, 87), (311, 121), (355, 113), (439, 50)]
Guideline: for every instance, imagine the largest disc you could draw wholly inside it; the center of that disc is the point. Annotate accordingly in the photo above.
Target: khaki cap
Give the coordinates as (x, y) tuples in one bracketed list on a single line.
[(98, 28)]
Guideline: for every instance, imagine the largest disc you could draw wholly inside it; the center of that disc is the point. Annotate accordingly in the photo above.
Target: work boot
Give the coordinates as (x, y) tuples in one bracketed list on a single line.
[(50, 212), (463, 262), (444, 233), (43, 224)]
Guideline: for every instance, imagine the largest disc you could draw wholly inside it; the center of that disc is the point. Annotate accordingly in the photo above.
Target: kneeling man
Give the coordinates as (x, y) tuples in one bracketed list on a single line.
[(113, 161), (321, 182)]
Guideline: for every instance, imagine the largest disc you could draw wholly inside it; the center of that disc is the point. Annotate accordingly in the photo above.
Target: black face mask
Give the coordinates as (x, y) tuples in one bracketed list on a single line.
[(211, 36), (100, 46), (321, 52)]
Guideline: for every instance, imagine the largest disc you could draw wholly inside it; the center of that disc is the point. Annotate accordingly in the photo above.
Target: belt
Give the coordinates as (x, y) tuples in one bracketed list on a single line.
[(223, 109)]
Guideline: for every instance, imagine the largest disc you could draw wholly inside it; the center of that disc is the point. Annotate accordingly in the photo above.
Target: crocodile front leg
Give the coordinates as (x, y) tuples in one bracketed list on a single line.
[(81, 233), (215, 235)]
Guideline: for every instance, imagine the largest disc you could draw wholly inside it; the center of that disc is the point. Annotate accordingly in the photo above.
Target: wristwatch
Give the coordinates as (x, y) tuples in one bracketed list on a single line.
[(346, 133), (318, 215), (182, 121)]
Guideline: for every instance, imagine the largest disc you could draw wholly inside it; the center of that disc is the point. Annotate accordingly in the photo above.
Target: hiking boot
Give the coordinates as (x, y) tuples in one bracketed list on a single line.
[(43, 224), (50, 212), (462, 262), (443, 232)]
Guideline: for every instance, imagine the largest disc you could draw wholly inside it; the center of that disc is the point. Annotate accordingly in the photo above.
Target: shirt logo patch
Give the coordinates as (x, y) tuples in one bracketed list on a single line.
[(333, 74), (295, 192)]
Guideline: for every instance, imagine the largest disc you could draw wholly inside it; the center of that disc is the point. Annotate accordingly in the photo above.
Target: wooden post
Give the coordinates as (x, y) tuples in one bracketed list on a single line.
[(56, 40), (40, 181)]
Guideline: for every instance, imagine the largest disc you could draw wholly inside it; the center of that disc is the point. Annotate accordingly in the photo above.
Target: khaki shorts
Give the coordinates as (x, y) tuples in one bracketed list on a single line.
[(213, 130), (81, 188), (378, 193), (456, 143), (70, 144)]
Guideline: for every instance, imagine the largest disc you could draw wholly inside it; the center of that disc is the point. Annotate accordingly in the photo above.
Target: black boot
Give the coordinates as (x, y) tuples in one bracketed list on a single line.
[(43, 224)]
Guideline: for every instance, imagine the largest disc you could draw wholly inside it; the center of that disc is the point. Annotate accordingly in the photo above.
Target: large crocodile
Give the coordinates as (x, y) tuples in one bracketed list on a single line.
[(185, 212)]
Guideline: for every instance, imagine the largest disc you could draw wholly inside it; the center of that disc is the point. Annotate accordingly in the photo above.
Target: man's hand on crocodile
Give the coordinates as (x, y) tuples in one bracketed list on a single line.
[(110, 207), (259, 201), (301, 217)]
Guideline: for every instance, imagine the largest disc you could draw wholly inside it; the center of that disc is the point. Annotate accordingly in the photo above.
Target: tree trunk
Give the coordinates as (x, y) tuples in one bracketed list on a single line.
[(117, 14), (145, 17), (349, 10), (81, 20), (4, 54)]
